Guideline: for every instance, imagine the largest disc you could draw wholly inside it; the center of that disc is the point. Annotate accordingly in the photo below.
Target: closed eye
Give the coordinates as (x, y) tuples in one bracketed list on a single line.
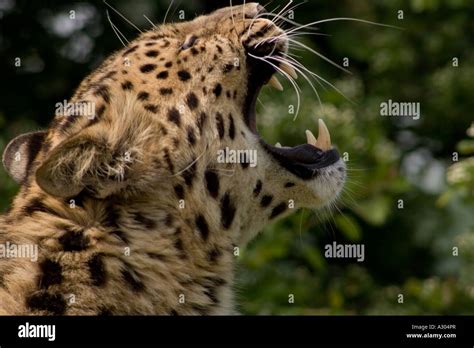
[(189, 42)]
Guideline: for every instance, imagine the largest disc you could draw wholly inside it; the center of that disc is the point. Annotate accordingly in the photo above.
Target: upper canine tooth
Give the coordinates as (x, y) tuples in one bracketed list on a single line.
[(275, 83), (289, 70), (324, 138), (310, 138), (277, 145)]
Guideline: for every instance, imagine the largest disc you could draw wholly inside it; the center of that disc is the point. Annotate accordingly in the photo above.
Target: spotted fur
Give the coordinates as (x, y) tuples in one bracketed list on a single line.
[(131, 210)]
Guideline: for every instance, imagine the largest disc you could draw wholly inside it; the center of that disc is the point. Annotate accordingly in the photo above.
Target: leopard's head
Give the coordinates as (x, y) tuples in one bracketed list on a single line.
[(180, 102), (233, 53)]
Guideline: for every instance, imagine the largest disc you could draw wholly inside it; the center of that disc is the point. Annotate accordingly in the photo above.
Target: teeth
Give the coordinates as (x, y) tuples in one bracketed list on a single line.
[(289, 70), (275, 83), (310, 138), (277, 145), (324, 138)]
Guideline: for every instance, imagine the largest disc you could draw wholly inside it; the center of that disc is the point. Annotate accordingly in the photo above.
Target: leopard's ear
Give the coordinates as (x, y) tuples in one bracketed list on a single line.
[(20, 154), (82, 162), (63, 171)]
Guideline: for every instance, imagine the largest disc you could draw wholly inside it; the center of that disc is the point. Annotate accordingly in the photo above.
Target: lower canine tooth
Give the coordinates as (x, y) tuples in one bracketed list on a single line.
[(324, 138), (289, 70), (275, 83), (310, 138), (277, 145)]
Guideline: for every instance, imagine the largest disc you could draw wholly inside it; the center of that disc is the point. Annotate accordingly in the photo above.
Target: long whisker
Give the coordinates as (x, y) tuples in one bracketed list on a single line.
[(300, 65), (292, 81), (345, 19), (115, 29), (332, 20), (275, 9), (309, 49), (307, 33), (150, 21), (281, 16), (286, 33), (281, 19), (341, 213), (285, 7), (177, 6), (314, 74), (281, 60), (325, 81), (320, 55), (318, 77), (272, 12), (121, 15), (295, 63), (167, 11), (347, 199), (294, 48), (192, 163)]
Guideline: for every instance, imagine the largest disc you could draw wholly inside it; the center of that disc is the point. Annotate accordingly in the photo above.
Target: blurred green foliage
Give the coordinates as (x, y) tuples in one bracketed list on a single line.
[(410, 194)]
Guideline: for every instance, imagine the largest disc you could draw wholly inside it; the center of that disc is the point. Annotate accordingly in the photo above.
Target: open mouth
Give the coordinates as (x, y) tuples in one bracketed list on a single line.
[(305, 160)]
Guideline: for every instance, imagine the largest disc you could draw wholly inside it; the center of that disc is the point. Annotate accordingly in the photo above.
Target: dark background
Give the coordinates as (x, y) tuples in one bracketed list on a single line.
[(409, 251)]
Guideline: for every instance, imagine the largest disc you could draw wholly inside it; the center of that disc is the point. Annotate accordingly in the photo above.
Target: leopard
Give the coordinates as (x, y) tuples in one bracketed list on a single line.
[(131, 209)]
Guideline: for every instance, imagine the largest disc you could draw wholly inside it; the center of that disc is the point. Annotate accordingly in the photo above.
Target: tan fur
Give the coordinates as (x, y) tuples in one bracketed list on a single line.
[(102, 201)]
